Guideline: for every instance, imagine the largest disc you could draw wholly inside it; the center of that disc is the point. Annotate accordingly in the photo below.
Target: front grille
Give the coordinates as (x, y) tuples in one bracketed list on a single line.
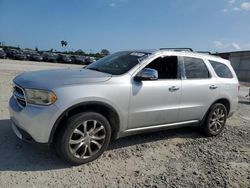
[(19, 95)]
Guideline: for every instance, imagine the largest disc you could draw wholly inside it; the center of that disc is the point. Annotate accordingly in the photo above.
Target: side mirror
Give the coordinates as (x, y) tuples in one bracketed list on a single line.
[(147, 74)]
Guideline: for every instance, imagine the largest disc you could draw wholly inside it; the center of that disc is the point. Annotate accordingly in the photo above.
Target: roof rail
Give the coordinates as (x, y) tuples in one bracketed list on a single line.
[(204, 52), (178, 49)]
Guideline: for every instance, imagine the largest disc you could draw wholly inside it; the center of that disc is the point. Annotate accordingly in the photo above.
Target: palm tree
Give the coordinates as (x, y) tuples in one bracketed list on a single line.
[(64, 43)]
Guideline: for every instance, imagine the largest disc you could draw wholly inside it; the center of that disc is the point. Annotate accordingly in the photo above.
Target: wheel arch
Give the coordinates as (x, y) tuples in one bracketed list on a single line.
[(223, 101), (95, 106)]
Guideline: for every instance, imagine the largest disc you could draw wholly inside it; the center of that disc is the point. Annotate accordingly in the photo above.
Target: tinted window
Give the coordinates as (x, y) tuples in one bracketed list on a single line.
[(195, 68), (166, 67), (221, 70)]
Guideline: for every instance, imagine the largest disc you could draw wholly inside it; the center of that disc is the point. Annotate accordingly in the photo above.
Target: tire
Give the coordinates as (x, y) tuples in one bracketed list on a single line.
[(85, 137), (215, 120)]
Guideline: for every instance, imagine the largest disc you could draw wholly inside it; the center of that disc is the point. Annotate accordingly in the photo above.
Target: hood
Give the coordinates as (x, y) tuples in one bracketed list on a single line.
[(50, 79)]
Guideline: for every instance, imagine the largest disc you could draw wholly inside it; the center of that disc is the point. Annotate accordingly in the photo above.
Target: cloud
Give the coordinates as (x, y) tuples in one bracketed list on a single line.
[(231, 2), (227, 46), (245, 6), (235, 5), (236, 9), (114, 3), (236, 46), (218, 44)]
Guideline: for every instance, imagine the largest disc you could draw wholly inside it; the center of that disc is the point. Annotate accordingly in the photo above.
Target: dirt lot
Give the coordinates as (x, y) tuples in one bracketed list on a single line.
[(176, 158)]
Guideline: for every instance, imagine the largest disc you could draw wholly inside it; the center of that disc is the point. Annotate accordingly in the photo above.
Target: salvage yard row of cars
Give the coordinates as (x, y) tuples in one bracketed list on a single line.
[(32, 55)]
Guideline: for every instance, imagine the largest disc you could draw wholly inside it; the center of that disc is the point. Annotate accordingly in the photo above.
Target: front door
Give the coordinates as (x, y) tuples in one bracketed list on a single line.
[(156, 102)]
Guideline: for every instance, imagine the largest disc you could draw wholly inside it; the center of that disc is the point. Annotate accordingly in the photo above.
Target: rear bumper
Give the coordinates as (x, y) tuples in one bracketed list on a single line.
[(233, 107), (33, 123)]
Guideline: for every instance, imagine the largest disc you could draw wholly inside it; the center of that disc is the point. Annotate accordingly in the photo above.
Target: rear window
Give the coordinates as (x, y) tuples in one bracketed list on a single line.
[(221, 69)]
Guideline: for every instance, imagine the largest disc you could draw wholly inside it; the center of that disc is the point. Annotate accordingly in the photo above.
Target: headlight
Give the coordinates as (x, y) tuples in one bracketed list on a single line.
[(40, 97)]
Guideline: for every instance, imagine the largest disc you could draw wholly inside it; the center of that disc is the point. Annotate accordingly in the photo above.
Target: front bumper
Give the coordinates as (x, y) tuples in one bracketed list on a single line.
[(33, 122), (23, 135)]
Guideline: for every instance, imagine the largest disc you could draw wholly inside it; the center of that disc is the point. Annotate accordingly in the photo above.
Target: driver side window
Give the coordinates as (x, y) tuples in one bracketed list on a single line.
[(167, 67)]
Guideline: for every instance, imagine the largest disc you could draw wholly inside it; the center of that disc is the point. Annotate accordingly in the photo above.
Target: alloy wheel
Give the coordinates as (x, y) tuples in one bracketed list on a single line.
[(217, 120), (87, 139)]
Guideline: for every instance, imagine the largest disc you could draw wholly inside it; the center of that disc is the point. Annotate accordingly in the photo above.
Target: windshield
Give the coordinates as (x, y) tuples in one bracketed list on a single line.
[(118, 63)]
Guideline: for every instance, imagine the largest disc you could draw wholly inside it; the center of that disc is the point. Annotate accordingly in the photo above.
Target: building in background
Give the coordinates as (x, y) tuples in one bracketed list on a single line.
[(240, 61)]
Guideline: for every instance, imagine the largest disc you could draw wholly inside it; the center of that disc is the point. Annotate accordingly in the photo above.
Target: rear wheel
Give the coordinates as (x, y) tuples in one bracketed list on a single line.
[(215, 120), (85, 138)]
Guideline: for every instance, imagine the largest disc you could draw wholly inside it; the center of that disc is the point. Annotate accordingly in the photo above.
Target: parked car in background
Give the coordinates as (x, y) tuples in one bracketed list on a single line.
[(36, 57), (28, 53), (2, 54), (77, 59), (63, 58), (32, 55), (89, 60), (50, 57), (20, 55), (10, 52), (130, 92), (93, 59)]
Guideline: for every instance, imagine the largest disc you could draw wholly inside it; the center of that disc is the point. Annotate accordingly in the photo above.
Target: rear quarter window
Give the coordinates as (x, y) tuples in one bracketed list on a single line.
[(221, 69)]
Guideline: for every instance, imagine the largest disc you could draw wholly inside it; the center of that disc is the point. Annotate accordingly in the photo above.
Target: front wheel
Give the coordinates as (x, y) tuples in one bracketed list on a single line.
[(215, 120), (86, 137)]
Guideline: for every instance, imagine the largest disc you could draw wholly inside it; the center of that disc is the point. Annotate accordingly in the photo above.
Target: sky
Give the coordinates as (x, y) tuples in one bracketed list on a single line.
[(92, 25)]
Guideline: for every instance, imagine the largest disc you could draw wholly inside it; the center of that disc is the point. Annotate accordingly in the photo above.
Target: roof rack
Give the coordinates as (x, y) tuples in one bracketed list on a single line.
[(178, 49), (204, 52)]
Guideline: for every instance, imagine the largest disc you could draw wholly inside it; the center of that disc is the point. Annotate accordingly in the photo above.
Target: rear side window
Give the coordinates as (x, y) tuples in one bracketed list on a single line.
[(195, 68), (221, 70)]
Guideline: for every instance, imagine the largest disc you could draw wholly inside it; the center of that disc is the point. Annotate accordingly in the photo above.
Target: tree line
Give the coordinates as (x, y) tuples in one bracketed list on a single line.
[(64, 43)]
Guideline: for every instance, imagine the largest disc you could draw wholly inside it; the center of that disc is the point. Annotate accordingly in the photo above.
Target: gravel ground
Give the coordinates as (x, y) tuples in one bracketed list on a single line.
[(173, 158)]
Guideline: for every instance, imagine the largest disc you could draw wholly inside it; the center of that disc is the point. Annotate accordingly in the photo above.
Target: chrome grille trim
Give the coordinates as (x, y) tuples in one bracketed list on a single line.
[(19, 95)]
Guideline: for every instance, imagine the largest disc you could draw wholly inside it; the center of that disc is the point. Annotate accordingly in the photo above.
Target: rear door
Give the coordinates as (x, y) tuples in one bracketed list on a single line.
[(199, 89)]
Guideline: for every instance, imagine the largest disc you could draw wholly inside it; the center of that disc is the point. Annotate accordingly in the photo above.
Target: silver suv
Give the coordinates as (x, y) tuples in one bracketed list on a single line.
[(79, 110)]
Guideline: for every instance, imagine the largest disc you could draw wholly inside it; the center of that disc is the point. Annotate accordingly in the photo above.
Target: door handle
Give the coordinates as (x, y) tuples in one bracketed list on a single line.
[(173, 88), (213, 87)]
